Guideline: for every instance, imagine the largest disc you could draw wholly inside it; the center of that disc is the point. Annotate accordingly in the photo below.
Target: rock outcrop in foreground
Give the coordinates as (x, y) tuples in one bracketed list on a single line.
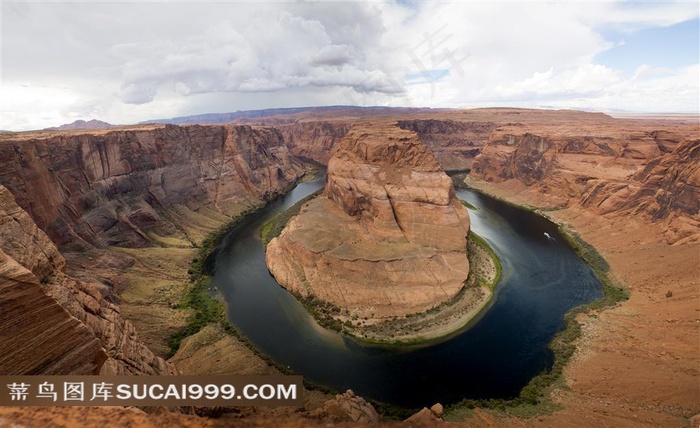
[(387, 238), (51, 323)]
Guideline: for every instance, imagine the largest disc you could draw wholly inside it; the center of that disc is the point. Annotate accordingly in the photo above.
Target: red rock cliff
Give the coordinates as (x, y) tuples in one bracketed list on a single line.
[(608, 167), (51, 323), (455, 144), (314, 140), (111, 188), (667, 189)]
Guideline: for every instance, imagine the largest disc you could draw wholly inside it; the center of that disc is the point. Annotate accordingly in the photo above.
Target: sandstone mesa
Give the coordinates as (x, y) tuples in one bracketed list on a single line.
[(387, 238)]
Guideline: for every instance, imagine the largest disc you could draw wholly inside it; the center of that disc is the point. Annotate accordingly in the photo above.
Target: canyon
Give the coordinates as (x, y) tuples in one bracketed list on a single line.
[(98, 228), (89, 194)]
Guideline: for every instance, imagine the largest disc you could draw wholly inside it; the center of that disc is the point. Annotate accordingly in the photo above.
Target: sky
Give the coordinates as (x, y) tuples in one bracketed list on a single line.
[(125, 62)]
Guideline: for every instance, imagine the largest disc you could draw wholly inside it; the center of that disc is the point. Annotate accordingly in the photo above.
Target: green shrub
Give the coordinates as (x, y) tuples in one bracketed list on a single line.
[(205, 310), (273, 227)]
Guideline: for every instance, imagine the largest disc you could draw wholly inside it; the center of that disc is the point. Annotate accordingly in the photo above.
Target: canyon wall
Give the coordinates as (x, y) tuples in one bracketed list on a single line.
[(667, 189), (536, 155), (314, 140), (36, 334), (455, 144), (609, 170), (572, 158), (667, 184), (112, 188), (590, 160), (125, 187)]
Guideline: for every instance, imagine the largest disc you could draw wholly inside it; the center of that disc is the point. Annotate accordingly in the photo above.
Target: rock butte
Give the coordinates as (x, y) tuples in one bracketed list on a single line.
[(387, 238)]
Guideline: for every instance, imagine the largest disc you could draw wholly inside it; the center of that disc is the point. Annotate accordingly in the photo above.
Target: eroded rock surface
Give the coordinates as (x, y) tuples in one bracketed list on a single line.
[(314, 140), (117, 187), (127, 187), (609, 167), (51, 323), (350, 407), (387, 238), (455, 144)]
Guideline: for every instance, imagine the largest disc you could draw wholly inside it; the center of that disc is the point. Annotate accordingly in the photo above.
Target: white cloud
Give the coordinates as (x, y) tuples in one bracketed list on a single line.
[(531, 54), (137, 61), (597, 87), (646, 71), (47, 103), (568, 84), (272, 51)]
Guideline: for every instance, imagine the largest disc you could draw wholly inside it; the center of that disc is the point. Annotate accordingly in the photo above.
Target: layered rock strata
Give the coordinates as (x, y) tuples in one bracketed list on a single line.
[(667, 189), (314, 140), (126, 187), (387, 238), (114, 187), (455, 144), (608, 168), (669, 183), (51, 323)]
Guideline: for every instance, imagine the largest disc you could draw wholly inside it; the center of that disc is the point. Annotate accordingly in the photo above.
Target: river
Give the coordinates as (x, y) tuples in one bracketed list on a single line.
[(494, 358)]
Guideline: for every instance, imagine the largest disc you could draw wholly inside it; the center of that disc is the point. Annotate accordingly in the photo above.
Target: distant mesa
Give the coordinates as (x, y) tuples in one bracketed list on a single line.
[(283, 114), (387, 238), (82, 124)]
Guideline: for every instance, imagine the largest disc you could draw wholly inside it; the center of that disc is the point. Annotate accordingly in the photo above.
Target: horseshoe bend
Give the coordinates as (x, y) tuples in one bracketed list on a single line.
[(98, 230), (386, 239)]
